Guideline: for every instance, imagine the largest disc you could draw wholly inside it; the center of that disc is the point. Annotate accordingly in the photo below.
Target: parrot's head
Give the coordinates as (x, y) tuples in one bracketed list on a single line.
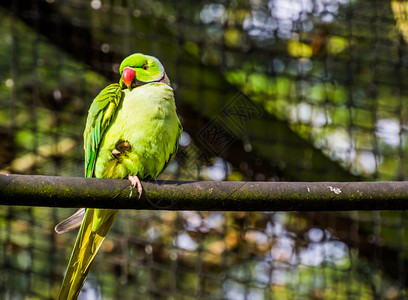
[(139, 69)]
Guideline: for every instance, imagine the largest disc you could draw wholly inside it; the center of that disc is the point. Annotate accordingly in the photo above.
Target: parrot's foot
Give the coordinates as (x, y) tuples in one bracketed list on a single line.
[(136, 183), (121, 148)]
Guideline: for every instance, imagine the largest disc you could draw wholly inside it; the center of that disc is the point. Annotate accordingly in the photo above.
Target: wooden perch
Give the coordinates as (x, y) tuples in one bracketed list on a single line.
[(52, 191)]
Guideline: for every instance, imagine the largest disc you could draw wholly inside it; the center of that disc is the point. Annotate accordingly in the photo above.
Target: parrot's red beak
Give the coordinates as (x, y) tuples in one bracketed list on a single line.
[(128, 74)]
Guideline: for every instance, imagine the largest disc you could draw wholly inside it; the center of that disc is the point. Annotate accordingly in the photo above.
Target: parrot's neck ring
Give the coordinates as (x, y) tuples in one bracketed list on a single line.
[(161, 80), (135, 83)]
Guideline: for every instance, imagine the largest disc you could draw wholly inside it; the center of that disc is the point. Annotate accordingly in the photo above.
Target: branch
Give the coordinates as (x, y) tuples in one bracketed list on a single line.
[(29, 190)]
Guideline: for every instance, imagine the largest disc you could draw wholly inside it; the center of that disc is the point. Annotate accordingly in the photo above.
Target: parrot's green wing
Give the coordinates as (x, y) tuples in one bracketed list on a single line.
[(96, 222), (99, 116)]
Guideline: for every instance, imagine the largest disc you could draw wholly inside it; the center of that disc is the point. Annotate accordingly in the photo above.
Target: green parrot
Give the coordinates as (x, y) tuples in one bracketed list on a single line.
[(132, 131)]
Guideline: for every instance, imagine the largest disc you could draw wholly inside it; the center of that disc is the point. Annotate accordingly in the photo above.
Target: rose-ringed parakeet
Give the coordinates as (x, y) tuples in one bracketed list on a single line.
[(132, 131)]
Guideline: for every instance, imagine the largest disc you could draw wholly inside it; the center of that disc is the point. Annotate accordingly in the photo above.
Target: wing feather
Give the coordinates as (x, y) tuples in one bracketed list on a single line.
[(96, 222), (100, 113)]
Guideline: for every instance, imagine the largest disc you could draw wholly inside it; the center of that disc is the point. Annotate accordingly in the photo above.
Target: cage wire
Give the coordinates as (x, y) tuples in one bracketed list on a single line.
[(298, 90)]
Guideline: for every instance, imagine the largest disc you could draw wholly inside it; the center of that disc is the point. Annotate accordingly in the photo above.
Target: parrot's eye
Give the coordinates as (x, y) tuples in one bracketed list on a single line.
[(145, 67)]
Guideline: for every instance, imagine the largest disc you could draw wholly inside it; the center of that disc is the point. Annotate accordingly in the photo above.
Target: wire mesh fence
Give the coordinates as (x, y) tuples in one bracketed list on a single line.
[(275, 90)]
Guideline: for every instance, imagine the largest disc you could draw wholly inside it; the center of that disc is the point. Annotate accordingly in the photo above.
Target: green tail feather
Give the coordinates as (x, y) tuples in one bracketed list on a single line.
[(93, 231)]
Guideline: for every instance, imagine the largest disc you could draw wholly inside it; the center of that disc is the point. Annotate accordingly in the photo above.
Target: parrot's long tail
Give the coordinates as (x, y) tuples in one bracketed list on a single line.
[(93, 231)]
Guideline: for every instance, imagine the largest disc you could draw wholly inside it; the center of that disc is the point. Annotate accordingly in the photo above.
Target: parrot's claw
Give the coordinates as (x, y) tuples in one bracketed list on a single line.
[(121, 148), (136, 183)]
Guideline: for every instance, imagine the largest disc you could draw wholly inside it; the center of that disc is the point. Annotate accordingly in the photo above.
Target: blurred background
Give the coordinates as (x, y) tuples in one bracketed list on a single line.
[(278, 90)]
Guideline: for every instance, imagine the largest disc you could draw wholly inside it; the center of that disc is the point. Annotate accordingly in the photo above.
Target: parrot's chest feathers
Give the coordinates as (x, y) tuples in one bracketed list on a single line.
[(142, 135)]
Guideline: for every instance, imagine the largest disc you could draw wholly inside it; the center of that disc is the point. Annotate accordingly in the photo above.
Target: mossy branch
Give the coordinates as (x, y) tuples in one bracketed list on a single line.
[(55, 191)]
